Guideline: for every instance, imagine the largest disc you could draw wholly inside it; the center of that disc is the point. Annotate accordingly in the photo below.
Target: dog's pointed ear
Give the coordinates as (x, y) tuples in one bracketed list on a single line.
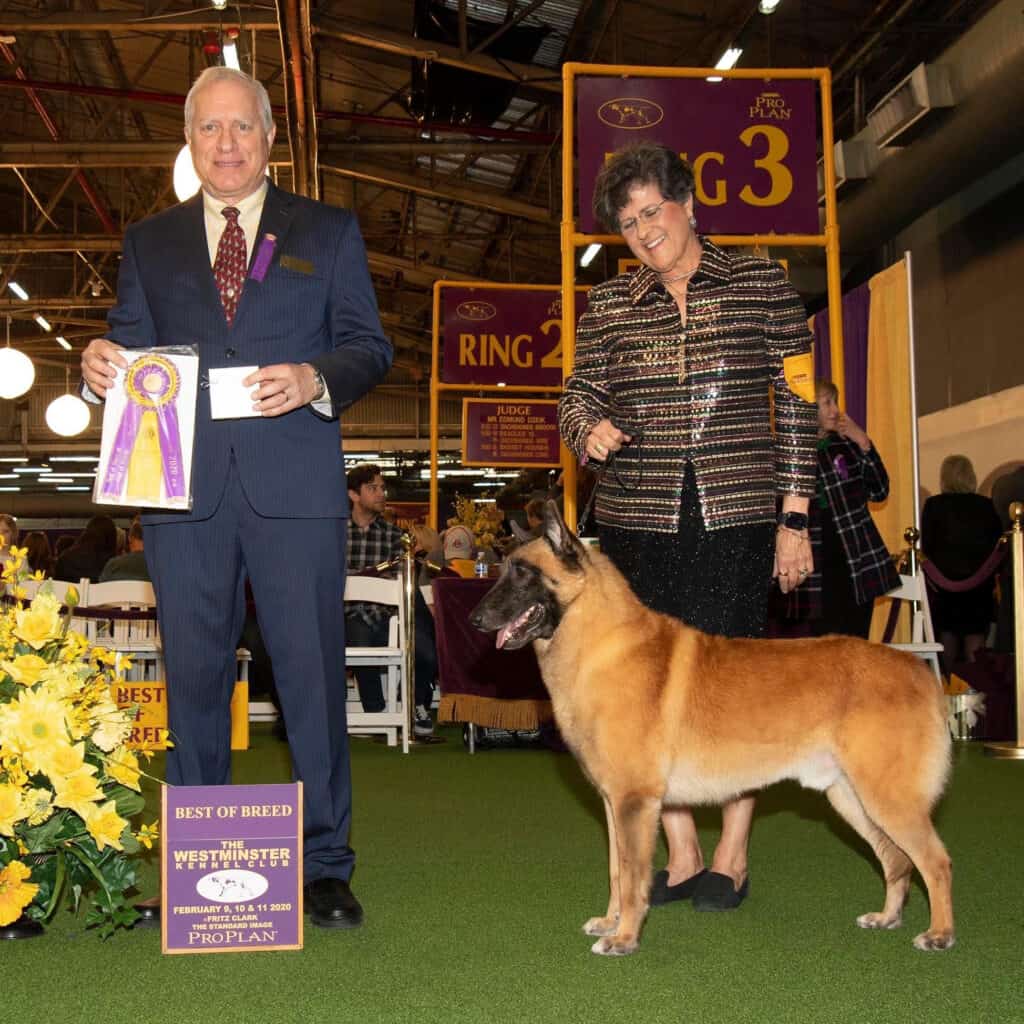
[(560, 538), (521, 535)]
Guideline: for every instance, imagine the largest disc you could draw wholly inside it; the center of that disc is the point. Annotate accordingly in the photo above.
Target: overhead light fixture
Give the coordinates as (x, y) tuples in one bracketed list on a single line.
[(95, 288), (42, 321), (589, 253), (32, 469), (726, 62), (16, 370), (768, 6), (64, 343), (220, 5), (230, 54), (67, 415), (186, 181), (18, 290)]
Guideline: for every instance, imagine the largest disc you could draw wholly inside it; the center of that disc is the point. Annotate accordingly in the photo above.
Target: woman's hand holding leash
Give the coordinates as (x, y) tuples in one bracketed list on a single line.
[(603, 440)]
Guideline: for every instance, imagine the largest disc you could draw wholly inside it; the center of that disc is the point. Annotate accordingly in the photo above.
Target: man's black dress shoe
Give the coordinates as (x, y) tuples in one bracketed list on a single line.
[(330, 904), (149, 915)]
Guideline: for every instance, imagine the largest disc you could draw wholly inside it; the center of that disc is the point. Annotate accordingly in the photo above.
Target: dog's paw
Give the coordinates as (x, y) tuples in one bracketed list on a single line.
[(612, 945), (934, 941), (601, 926), (879, 920)]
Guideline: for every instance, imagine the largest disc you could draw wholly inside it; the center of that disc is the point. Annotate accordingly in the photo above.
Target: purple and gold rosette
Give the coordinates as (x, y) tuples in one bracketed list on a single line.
[(147, 446)]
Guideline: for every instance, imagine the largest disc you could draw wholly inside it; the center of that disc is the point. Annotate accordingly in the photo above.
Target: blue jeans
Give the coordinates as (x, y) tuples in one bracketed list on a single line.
[(359, 633)]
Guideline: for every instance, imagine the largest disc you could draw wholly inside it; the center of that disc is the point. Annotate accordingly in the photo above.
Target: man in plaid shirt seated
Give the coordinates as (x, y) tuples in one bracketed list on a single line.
[(372, 540)]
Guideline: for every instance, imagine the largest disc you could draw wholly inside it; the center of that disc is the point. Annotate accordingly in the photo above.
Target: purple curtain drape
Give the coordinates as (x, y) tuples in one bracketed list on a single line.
[(856, 309)]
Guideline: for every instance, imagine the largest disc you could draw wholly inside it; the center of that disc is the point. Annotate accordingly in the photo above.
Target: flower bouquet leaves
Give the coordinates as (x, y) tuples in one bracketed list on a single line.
[(68, 783)]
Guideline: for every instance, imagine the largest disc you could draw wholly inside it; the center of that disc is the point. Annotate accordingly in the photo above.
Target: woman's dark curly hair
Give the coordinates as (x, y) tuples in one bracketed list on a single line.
[(643, 163)]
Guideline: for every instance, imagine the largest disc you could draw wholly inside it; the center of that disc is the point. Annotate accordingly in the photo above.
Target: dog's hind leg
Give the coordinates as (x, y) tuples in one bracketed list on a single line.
[(910, 826), (608, 924), (636, 826), (896, 865)]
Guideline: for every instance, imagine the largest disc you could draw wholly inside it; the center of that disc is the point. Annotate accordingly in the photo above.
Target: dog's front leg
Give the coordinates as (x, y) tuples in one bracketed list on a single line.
[(610, 922), (636, 819)]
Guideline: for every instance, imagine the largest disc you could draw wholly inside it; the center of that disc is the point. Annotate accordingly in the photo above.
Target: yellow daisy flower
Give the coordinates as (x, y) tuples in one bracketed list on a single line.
[(12, 808), (39, 805)]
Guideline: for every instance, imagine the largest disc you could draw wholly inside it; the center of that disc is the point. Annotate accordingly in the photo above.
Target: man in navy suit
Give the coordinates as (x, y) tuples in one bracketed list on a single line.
[(268, 490)]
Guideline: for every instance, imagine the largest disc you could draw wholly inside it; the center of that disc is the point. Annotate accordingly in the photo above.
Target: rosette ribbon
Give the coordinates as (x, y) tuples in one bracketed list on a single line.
[(147, 446)]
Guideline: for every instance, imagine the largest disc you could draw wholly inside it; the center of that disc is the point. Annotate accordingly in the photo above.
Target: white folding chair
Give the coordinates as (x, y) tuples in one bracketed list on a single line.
[(922, 635), (390, 659), (127, 596)]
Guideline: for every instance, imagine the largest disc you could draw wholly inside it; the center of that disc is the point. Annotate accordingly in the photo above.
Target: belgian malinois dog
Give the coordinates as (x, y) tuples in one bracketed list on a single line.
[(659, 714)]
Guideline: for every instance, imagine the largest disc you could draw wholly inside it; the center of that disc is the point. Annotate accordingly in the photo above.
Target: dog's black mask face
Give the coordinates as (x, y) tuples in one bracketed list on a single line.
[(523, 605), (519, 606)]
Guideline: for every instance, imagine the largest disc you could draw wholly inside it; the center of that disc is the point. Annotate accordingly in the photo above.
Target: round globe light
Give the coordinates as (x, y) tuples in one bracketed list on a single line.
[(186, 181), (16, 373), (67, 415)]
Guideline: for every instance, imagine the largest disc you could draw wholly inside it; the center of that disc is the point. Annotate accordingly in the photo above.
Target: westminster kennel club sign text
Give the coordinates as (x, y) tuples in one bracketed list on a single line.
[(231, 865), (503, 335), (751, 143)]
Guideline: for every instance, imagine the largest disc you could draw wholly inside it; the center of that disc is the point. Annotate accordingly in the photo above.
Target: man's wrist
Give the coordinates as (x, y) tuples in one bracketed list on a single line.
[(319, 384)]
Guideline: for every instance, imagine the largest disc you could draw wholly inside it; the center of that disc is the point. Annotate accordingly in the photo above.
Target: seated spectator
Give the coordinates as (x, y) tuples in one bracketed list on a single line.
[(39, 557), (535, 516), (88, 555), (61, 544), (457, 542), (8, 534), (959, 529), (130, 566), (372, 540)]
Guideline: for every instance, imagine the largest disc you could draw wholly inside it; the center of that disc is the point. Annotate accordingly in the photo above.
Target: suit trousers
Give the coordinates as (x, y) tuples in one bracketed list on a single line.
[(297, 571)]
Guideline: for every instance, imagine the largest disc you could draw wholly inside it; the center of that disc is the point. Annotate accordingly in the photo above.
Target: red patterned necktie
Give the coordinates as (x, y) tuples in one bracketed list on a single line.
[(230, 265)]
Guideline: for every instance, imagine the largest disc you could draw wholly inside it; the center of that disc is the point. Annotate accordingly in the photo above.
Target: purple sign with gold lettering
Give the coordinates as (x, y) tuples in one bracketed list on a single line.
[(509, 432), (751, 143), (231, 866), (504, 335)]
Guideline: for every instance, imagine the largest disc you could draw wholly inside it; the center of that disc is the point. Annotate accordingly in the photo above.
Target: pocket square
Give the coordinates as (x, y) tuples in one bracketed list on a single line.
[(295, 263)]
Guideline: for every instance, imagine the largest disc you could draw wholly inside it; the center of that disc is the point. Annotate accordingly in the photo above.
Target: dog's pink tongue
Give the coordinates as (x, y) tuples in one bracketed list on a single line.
[(501, 636)]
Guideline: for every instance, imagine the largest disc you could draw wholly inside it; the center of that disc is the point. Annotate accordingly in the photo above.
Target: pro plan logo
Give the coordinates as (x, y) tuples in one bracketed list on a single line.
[(631, 113), (475, 309), (770, 106)]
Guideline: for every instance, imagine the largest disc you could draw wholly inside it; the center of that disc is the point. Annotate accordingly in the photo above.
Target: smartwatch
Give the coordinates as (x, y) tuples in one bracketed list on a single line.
[(793, 520)]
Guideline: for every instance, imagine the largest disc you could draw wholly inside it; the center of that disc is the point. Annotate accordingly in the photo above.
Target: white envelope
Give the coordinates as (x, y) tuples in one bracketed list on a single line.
[(229, 399)]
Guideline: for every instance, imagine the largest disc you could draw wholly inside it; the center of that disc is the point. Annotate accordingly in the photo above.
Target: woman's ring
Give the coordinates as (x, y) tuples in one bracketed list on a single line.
[(803, 572), (783, 572)]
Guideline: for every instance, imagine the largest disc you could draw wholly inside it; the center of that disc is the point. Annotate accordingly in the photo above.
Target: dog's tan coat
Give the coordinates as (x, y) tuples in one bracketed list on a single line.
[(658, 714)]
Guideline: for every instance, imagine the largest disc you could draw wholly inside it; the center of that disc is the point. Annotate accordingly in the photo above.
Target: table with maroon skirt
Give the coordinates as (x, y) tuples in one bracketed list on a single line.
[(499, 689)]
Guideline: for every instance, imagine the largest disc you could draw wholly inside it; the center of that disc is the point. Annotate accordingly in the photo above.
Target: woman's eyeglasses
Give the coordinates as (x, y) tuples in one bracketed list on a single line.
[(627, 227)]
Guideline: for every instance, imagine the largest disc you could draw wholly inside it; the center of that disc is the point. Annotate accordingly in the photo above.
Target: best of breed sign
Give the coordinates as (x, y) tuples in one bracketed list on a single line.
[(751, 144), (231, 865)]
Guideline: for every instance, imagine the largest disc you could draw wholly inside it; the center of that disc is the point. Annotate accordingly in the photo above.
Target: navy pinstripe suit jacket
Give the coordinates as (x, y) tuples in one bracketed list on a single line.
[(316, 307)]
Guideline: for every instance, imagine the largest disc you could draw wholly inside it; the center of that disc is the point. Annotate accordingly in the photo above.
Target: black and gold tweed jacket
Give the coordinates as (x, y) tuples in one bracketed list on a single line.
[(702, 393)]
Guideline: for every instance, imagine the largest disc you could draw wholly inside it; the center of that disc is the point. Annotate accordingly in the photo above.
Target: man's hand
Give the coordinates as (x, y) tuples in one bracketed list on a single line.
[(100, 359), (282, 388)]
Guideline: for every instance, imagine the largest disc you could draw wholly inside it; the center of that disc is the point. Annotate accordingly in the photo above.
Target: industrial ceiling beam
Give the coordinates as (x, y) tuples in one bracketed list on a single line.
[(453, 191), (250, 18)]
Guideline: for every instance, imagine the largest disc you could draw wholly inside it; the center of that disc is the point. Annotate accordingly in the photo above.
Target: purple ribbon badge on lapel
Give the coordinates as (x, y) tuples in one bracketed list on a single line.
[(151, 387), (839, 463), (264, 254)]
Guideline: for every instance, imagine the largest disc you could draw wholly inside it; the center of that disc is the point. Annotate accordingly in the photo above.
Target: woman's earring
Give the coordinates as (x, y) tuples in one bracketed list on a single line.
[(693, 221)]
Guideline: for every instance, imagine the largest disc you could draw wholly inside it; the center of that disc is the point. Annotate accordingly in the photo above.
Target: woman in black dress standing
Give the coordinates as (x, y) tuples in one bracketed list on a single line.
[(959, 529)]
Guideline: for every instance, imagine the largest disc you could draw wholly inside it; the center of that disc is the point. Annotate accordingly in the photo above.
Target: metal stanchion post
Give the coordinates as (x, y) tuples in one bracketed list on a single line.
[(1016, 750), (409, 598)]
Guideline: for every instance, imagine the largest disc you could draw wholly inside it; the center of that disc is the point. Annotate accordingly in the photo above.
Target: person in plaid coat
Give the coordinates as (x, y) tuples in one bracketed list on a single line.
[(851, 564)]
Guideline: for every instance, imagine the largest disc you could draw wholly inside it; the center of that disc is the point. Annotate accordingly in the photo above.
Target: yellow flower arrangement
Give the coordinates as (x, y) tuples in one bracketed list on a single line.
[(68, 785), (482, 520)]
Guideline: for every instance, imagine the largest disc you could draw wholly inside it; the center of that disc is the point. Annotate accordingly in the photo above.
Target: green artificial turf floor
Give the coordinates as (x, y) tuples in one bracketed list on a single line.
[(476, 873)]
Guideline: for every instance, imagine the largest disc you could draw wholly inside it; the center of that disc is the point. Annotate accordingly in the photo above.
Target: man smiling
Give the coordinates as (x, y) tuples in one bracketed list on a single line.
[(268, 495)]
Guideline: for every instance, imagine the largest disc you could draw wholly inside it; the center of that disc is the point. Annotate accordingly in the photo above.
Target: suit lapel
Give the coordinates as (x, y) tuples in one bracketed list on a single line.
[(195, 257)]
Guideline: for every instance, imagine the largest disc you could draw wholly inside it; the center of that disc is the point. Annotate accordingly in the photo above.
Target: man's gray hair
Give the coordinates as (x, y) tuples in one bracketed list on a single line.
[(212, 75)]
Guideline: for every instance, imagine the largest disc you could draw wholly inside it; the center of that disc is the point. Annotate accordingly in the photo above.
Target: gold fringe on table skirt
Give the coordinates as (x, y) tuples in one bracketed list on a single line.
[(494, 713)]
